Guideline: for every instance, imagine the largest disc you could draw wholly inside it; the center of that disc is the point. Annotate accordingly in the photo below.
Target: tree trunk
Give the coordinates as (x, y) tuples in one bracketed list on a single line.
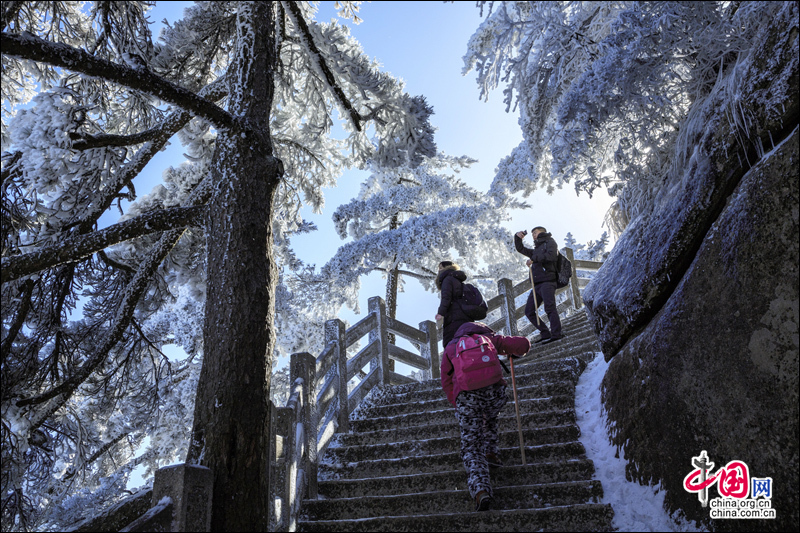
[(231, 430), (391, 288)]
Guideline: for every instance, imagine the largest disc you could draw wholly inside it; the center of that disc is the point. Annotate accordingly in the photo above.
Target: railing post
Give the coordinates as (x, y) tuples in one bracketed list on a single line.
[(381, 333), (277, 473), (577, 300), (334, 331), (505, 287), (190, 487), (430, 348), (284, 427), (303, 365)]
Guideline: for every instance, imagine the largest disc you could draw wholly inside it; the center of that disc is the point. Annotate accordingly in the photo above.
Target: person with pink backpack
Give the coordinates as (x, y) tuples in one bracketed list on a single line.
[(472, 378)]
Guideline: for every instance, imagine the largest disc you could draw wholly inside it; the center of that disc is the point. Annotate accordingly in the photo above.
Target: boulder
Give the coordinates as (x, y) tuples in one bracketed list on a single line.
[(716, 368), (746, 114)]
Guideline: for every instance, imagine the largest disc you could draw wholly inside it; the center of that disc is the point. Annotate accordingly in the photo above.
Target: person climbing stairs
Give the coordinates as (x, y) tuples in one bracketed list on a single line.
[(399, 468)]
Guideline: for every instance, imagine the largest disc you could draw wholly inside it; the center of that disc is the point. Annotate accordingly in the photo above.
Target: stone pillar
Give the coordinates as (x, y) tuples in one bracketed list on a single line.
[(277, 467), (303, 365), (575, 292), (430, 348), (334, 332), (285, 441), (381, 333), (190, 487), (505, 287)]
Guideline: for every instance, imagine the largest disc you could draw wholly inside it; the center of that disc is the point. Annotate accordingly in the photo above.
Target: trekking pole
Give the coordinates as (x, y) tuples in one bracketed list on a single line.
[(516, 407)]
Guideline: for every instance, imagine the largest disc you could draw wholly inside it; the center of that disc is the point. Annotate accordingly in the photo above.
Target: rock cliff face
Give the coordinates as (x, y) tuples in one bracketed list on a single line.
[(698, 303)]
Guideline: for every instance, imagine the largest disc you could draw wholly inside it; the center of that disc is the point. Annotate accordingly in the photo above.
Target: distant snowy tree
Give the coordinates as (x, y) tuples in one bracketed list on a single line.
[(408, 218), (570, 242), (249, 88), (411, 213), (604, 88), (279, 387), (592, 251)]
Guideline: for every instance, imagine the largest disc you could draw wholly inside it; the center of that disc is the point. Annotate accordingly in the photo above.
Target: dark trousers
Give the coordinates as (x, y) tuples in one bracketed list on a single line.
[(477, 411), (545, 292), (449, 331)]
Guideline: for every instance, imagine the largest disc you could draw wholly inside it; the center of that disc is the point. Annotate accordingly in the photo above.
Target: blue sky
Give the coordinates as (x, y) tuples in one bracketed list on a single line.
[(423, 44)]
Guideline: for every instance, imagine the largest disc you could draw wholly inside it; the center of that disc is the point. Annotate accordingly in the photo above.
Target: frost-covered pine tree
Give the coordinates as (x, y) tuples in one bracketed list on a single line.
[(591, 251), (412, 212), (407, 219), (249, 89), (604, 88)]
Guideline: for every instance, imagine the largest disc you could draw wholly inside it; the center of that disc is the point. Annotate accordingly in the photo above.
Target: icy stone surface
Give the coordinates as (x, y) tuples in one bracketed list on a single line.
[(755, 106), (717, 368)]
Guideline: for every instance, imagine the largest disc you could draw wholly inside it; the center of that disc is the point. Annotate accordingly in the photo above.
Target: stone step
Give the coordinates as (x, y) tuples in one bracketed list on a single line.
[(453, 501), (447, 415), (579, 327), (538, 372), (585, 356), (437, 443), (434, 400), (572, 469), (582, 517), (529, 372), (449, 426), (566, 346), (536, 440), (569, 328)]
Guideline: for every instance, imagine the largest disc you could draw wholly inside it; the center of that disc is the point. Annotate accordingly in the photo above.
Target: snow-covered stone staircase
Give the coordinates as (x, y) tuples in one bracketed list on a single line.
[(399, 469)]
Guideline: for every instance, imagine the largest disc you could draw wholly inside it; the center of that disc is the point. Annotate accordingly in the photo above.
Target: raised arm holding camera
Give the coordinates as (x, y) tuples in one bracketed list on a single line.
[(542, 262)]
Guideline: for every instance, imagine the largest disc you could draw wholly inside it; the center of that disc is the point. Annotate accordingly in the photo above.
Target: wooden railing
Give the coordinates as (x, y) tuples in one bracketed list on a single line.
[(320, 403)]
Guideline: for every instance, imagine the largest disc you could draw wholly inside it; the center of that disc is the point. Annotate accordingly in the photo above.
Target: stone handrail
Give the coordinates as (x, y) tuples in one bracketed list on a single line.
[(320, 403)]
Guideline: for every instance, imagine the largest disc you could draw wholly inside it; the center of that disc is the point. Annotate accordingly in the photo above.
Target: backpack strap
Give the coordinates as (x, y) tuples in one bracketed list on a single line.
[(504, 366)]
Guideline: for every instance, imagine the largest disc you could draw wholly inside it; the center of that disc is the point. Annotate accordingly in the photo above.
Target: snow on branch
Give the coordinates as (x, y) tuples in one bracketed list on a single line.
[(80, 246), (133, 292), (85, 141), (29, 46), (318, 61)]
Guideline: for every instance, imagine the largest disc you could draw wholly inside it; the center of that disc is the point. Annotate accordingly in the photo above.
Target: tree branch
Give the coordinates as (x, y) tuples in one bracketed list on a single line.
[(114, 264), (58, 396), (10, 13), (80, 246), (406, 273), (29, 46), (71, 471), (22, 314), (171, 125), (292, 9), (85, 141), (127, 306)]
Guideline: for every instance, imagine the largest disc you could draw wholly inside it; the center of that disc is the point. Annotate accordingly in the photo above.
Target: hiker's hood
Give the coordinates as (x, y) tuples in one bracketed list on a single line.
[(473, 328), (452, 270)]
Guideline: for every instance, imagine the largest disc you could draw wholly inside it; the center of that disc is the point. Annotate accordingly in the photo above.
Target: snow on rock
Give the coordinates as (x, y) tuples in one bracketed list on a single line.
[(636, 507)]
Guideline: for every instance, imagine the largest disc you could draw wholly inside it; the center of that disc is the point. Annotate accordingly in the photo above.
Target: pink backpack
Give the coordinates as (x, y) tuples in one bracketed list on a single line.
[(476, 364)]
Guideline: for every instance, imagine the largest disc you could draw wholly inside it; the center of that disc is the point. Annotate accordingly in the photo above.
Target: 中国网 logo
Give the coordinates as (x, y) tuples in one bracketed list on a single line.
[(740, 495)]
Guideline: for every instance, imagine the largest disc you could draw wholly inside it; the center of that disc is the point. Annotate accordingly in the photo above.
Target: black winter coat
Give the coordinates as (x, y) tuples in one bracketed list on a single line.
[(544, 255), (450, 282)]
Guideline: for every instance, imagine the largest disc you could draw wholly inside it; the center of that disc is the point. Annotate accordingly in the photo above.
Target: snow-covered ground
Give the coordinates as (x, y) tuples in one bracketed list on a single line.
[(636, 508)]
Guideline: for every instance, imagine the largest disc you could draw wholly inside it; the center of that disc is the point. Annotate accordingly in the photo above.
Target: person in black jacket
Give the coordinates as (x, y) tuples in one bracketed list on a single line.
[(542, 262), (449, 281)]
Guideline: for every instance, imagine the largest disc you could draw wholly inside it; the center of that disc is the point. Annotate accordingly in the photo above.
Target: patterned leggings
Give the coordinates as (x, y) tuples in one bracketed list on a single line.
[(477, 412)]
